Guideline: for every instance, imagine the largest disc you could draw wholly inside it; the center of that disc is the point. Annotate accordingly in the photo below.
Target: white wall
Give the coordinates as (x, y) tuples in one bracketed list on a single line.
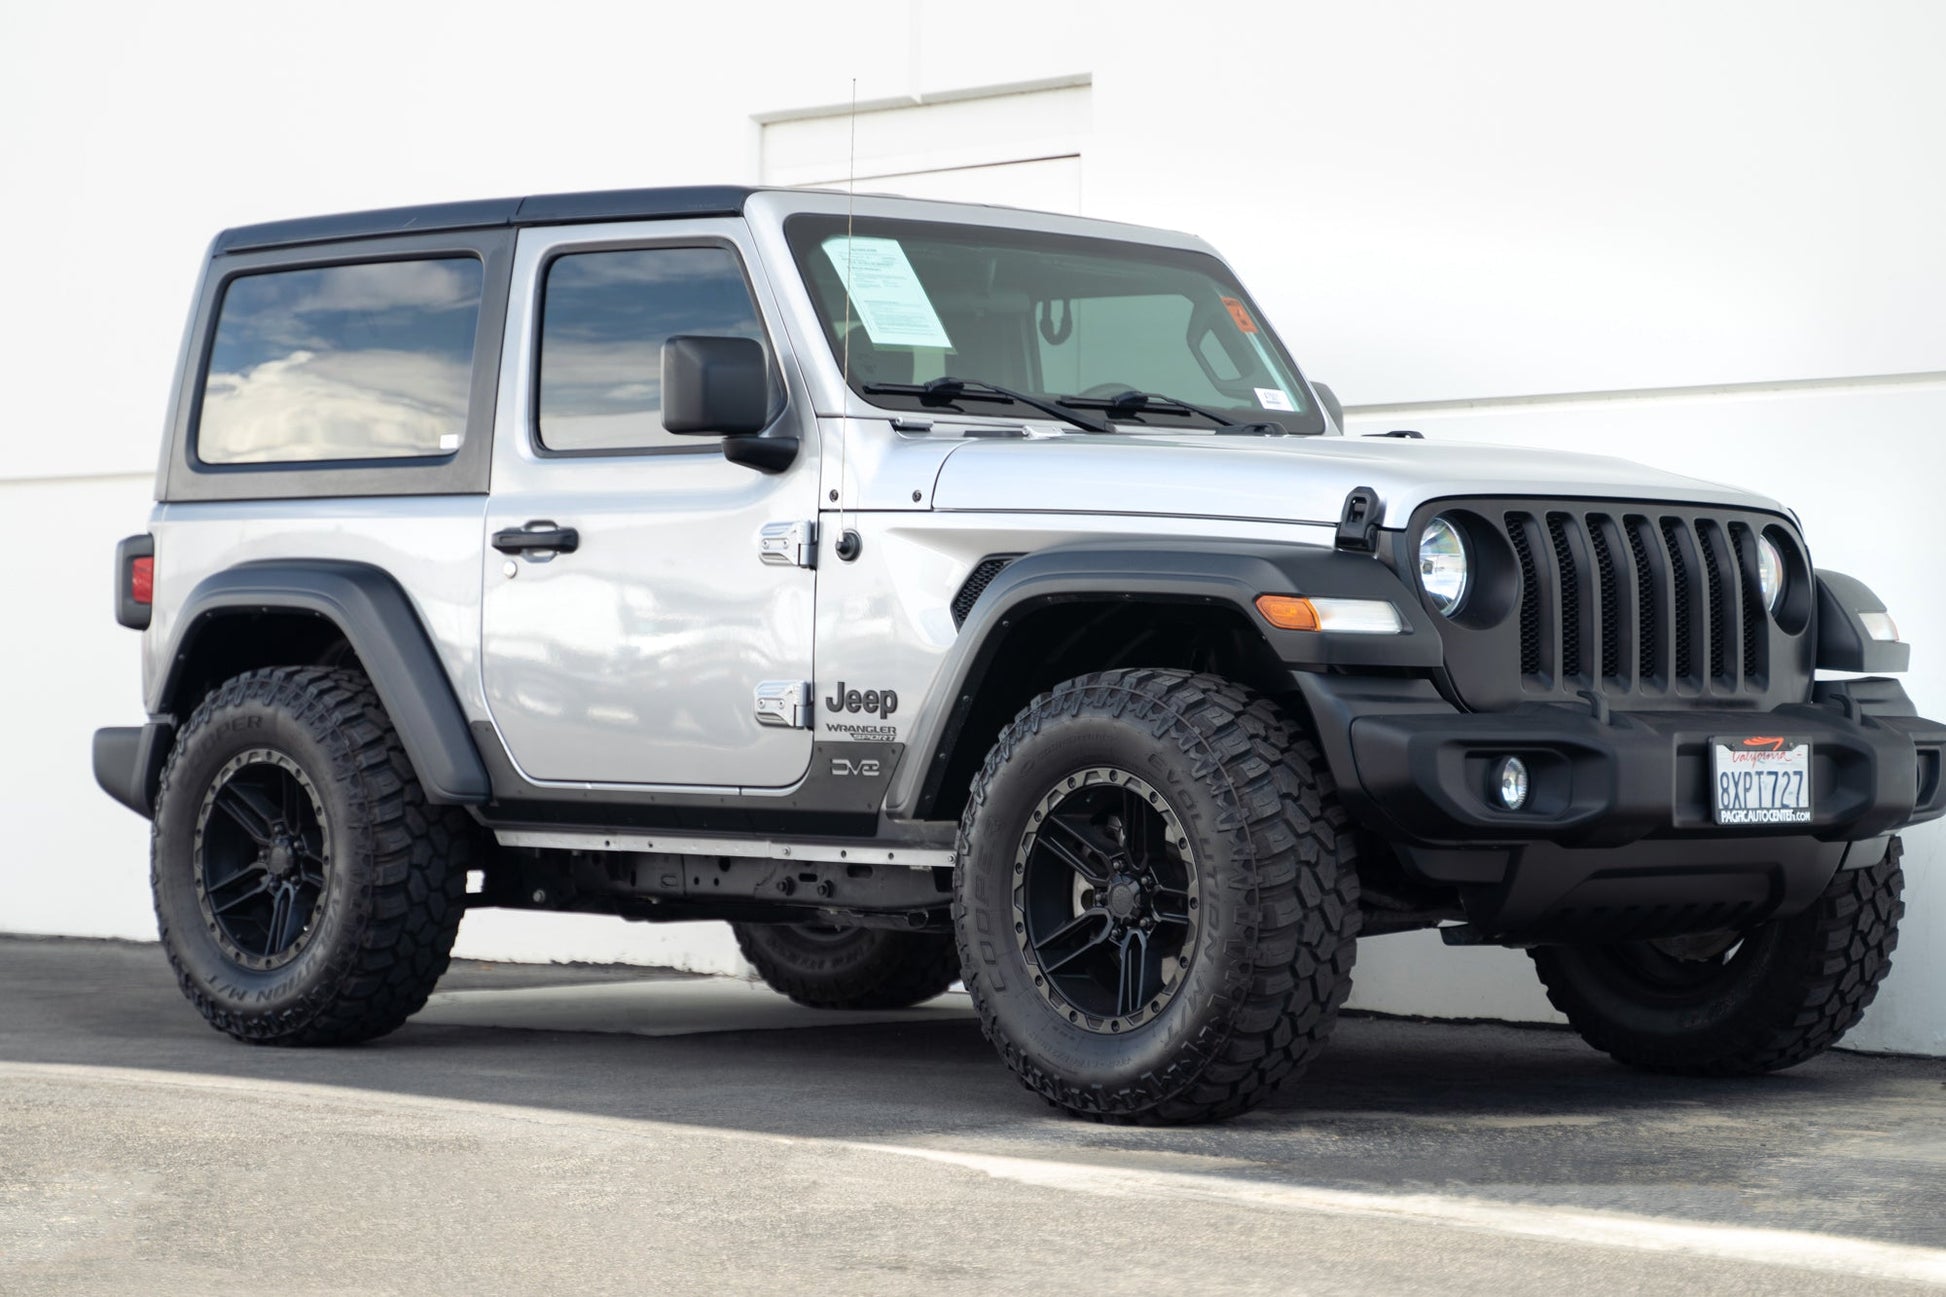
[(1452, 208)]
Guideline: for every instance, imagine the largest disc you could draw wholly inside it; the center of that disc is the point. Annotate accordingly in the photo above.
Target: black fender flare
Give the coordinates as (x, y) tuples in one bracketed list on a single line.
[(1843, 642), (376, 618), (1141, 570)]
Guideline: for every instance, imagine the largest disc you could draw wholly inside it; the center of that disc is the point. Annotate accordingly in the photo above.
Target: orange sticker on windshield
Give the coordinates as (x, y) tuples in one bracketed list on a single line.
[(1240, 315)]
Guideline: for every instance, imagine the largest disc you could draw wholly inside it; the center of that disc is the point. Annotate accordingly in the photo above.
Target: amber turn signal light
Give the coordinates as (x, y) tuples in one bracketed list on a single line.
[(1288, 611)]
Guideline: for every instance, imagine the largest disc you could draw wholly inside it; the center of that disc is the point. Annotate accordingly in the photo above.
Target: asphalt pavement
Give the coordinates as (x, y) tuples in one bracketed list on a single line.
[(598, 1130)]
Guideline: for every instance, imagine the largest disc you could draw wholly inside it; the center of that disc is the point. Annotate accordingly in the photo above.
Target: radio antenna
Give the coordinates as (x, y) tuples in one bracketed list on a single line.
[(849, 542)]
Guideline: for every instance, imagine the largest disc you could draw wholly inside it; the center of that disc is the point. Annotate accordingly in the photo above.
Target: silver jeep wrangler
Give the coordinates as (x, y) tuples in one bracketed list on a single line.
[(943, 592)]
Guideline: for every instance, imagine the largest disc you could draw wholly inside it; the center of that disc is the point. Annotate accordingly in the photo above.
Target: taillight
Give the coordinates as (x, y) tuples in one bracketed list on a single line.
[(135, 581)]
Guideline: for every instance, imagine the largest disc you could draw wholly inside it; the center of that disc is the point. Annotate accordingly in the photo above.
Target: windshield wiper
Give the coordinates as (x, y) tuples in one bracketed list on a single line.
[(944, 391), (1132, 402)]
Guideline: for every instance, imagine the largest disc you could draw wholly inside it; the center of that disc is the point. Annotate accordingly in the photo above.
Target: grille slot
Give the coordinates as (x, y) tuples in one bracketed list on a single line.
[(976, 583), (1718, 612), (1681, 610), (1753, 598), (1647, 624), (1530, 594), (1570, 579), (1611, 637)]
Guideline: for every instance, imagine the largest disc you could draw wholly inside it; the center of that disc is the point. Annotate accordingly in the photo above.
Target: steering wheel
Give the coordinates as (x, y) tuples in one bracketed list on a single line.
[(1102, 391)]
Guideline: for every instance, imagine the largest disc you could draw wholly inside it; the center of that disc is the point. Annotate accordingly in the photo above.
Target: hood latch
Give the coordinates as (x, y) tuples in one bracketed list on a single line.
[(1358, 524)]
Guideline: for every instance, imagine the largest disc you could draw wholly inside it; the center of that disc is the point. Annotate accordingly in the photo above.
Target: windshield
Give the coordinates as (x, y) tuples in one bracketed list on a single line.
[(1048, 315)]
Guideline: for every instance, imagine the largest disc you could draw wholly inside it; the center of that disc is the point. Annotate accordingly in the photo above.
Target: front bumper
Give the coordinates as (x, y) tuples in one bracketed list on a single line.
[(1619, 819)]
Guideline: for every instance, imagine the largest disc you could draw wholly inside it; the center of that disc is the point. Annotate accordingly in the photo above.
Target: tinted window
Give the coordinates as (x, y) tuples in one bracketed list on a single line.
[(603, 322), (342, 362)]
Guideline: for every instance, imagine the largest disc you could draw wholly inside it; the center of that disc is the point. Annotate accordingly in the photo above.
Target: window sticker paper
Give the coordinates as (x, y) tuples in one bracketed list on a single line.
[(1240, 315), (1271, 398), (886, 294)]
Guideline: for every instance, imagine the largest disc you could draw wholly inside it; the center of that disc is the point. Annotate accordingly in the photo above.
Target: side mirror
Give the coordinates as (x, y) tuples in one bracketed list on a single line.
[(720, 387), (1329, 400)]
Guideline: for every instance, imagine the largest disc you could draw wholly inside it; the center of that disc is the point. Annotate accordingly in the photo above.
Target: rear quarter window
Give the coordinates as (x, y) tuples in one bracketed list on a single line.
[(347, 362)]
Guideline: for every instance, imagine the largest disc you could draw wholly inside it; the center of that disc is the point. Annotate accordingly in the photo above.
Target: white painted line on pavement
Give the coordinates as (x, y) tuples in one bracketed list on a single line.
[(1795, 1249)]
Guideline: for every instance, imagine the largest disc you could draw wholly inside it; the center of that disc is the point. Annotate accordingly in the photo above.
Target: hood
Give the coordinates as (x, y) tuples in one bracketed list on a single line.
[(1288, 479)]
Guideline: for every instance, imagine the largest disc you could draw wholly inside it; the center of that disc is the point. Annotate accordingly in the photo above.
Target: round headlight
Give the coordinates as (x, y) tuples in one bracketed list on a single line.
[(1442, 566), (1770, 572)]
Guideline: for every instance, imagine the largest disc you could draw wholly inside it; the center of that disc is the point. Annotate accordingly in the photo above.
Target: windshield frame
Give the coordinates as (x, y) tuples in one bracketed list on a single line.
[(806, 231)]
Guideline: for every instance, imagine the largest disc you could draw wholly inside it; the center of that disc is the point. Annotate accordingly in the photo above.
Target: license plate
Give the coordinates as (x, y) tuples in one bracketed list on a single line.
[(1761, 780)]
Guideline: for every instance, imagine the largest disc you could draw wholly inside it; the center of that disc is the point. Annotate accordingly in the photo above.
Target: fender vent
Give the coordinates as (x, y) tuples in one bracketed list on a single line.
[(976, 583)]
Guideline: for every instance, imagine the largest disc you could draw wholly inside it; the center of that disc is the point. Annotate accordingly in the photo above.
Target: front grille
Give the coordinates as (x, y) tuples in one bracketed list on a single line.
[(1648, 607)]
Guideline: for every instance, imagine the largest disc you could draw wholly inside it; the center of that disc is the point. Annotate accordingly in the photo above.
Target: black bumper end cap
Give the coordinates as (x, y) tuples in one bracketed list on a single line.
[(128, 763)]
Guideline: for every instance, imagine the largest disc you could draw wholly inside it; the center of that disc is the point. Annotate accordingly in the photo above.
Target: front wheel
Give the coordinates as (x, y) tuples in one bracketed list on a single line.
[(1736, 1003), (1156, 897)]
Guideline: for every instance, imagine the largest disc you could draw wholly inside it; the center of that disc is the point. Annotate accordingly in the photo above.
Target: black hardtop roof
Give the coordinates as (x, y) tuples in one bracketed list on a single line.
[(536, 209)]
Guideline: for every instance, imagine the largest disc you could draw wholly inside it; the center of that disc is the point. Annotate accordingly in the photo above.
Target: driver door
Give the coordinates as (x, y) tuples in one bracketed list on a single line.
[(637, 656)]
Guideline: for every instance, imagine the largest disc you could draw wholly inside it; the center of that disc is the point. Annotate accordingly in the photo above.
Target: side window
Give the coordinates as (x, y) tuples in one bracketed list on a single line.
[(369, 361), (604, 318)]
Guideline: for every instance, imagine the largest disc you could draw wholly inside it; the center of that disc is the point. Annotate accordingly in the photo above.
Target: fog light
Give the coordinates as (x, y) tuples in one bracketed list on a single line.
[(1510, 782)]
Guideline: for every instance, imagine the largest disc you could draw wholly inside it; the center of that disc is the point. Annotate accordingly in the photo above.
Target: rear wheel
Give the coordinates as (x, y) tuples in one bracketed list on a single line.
[(1730, 1004), (305, 891), (828, 967), (1156, 897)]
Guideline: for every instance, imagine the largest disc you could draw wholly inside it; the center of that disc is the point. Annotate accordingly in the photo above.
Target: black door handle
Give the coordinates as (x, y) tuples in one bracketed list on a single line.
[(537, 535)]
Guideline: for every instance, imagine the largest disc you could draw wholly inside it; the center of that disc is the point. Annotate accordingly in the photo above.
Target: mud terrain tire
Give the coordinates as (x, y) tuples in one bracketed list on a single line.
[(1255, 861), (306, 892), (849, 968), (1786, 993)]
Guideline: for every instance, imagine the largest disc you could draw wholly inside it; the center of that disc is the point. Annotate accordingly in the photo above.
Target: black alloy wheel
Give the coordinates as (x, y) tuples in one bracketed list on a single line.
[(261, 859), (1106, 899), (1155, 895)]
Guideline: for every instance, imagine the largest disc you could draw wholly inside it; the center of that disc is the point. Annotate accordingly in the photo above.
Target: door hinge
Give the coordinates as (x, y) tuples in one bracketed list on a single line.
[(789, 544), (785, 704)]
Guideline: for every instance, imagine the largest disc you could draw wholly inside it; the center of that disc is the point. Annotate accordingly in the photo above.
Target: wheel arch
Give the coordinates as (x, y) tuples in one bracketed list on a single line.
[(1059, 612), (311, 612)]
